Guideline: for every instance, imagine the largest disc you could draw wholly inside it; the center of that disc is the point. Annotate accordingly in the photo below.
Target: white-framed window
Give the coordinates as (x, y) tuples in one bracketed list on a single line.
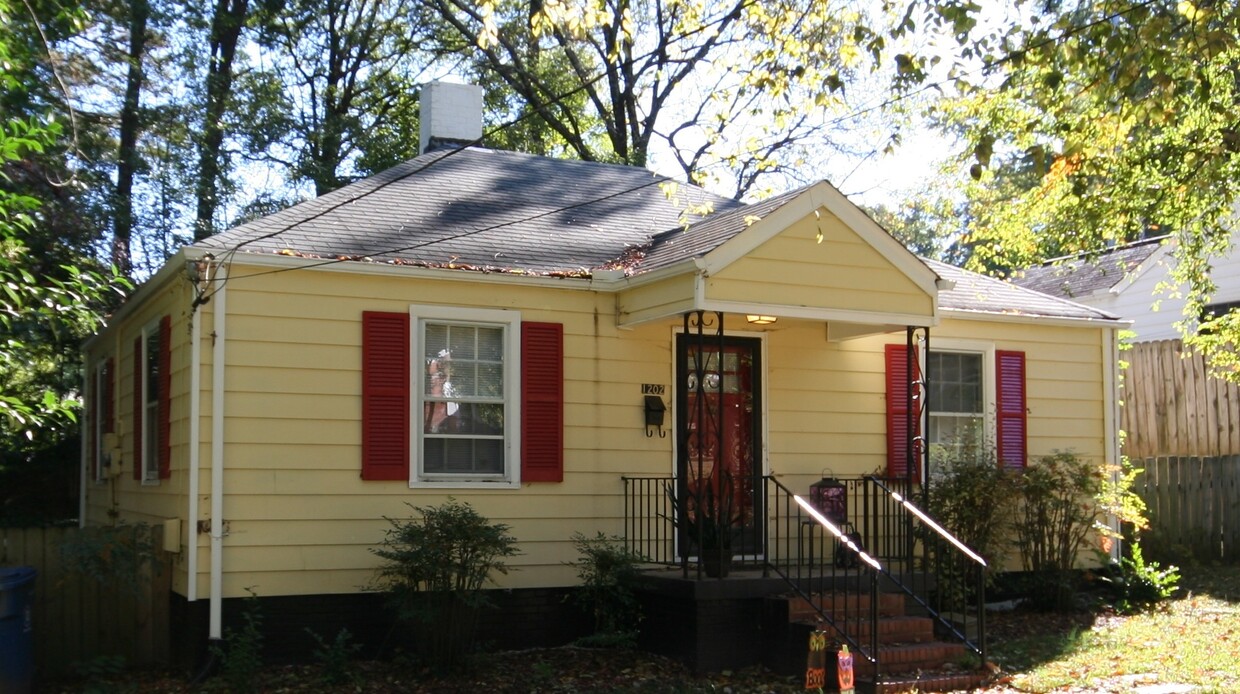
[(466, 397), (150, 403), (961, 399)]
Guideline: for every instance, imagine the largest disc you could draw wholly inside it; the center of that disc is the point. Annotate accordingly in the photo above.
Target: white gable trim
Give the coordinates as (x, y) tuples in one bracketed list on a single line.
[(1156, 259), (823, 196)]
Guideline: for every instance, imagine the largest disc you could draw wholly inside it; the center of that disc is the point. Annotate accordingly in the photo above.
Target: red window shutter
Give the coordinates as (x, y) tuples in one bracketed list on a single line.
[(109, 396), (138, 367), (1011, 435), (385, 396), (94, 413), (899, 380), (165, 397), (542, 402)]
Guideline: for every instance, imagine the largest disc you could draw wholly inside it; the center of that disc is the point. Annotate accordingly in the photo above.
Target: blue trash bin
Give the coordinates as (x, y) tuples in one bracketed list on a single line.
[(16, 629)]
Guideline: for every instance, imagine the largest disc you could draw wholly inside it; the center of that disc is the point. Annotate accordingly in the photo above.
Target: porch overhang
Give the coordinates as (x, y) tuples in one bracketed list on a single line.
[(817, 257)]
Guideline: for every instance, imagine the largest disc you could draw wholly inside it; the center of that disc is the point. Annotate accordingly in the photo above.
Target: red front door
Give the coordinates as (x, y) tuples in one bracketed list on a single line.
[(719, 435)]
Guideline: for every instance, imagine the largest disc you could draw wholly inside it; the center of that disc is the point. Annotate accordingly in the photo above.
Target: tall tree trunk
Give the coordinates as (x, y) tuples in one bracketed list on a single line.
[(226, 26), (127, 157)]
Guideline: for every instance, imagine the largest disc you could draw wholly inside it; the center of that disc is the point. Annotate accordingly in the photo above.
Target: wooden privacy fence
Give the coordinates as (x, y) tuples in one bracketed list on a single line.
[(1194, 503), (1173, 407), (77, 617)]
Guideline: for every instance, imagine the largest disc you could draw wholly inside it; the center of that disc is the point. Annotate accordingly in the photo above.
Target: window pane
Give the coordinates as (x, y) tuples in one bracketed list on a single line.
[(491, 344), (464, 456), (955, 382), (462, 340), (152, 367)]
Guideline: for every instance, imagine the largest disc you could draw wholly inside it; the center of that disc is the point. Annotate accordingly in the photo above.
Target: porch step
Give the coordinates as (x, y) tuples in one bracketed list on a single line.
[(891, 630), (935, 681), (912, 657), (844, 605)]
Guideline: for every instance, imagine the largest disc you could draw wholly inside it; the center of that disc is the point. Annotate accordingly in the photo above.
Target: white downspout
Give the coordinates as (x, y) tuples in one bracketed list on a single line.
[(89, 392), (195, 440), (215, 630), (1110, 417)]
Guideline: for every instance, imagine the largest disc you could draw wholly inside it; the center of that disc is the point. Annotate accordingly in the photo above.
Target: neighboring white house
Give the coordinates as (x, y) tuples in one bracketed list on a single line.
[(1125, 281)]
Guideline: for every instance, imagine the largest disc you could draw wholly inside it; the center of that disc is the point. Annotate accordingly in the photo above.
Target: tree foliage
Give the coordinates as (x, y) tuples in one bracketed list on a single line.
[(732, 90), (1097, 122), (50, 297)]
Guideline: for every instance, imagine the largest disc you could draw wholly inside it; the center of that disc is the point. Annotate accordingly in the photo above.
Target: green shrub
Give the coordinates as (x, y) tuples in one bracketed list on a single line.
[(241, 652), (1058, 508), (607, 570), (972, 498), (119, 556), (436, 566), (336, 657), (1139, 585)]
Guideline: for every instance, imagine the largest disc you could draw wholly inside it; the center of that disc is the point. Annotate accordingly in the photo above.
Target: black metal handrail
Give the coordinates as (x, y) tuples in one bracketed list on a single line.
[(826, 568), (945, 577), (837, 573)]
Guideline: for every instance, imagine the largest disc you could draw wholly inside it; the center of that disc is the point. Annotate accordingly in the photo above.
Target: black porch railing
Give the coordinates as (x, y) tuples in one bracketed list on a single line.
[(947, 578), (836, 566)]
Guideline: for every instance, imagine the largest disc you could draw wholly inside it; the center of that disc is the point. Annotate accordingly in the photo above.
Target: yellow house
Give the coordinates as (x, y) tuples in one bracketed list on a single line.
[(537, 337)]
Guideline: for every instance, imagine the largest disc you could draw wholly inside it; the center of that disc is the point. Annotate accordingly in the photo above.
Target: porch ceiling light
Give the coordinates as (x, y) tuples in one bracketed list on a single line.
[(760, 320)]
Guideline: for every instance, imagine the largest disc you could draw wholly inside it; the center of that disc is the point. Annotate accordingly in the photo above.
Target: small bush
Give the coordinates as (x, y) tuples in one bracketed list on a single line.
[(437, 565), (117, 556), (336, 657), (607, 571), (241, 652), (972, 498), (1057, 510), (1139, 585)]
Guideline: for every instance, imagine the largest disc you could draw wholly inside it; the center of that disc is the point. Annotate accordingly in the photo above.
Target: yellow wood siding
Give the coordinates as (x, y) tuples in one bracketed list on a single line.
[(122, 498), (301, 521), (669, 296), (843, 272)]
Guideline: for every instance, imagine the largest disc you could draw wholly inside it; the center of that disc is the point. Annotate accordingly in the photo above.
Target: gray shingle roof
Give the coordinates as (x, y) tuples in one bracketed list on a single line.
[(704, 236), (480, 208), (1080, 276), (974, 292), (509, 212)]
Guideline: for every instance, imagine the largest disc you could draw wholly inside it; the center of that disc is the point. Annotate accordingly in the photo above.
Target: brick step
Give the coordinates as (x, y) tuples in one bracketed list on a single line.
[(891, 630), (911, 657), (937, 681), (889, 605)]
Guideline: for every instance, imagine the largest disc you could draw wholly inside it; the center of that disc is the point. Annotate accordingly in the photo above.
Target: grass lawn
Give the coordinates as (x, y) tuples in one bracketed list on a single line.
[(1192, 640)]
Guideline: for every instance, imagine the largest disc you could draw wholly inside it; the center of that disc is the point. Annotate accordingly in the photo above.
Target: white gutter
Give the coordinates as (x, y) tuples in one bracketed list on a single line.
[(1065, 321), (219, 339), (195, 437)]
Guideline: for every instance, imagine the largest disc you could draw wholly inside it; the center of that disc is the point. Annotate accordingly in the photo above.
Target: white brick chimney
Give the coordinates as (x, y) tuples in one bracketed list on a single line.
[(449, 113)]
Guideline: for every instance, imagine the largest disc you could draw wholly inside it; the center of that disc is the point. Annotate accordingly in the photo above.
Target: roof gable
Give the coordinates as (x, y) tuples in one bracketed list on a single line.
[(1081, 276)]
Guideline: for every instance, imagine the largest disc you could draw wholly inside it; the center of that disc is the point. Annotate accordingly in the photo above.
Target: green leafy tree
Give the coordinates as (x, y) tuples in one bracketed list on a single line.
[(735, 91), (1095, 122), (342, 72), (50, 297)]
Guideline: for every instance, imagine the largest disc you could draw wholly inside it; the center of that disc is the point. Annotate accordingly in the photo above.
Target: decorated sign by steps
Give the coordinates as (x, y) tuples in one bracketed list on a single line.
[(816, 667), (844, 669)]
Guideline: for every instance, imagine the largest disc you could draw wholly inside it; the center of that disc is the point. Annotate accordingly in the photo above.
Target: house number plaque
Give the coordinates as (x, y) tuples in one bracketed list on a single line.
[(653, 388)]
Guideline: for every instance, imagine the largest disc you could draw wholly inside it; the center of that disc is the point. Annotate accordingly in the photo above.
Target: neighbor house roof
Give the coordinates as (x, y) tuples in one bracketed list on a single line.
[(1082, 275), (483, 209), (979, 293)]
